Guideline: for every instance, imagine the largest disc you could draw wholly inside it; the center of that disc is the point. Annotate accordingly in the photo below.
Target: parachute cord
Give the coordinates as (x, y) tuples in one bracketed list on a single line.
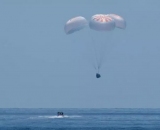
[(98, 70), (103, 47), (94, 48), (106, 46)]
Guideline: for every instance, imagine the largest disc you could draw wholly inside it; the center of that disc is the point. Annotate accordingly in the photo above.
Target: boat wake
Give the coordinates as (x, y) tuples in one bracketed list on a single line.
[(55, 117)]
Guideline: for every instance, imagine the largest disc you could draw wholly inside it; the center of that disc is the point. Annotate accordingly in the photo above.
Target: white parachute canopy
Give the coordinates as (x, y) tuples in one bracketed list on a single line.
[(75, 24), (102, 22), (119, 21)]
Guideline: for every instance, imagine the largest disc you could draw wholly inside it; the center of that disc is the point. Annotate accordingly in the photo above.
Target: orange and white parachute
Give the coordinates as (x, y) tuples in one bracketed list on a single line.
[(75, 24), (102, 22), (119, 21)]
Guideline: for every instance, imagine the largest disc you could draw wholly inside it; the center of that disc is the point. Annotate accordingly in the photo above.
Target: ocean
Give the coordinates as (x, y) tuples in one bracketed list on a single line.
[(79, 119)]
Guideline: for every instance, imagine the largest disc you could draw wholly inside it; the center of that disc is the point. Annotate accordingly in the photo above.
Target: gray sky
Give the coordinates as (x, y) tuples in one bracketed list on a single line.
[(41, 66)]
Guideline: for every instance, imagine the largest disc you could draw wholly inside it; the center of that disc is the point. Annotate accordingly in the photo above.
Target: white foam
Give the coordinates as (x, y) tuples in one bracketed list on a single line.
[(54, 117)]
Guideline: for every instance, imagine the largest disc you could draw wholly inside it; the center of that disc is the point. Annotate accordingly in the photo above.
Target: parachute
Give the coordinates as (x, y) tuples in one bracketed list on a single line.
[(98, 23), (119, 21), (75, 24), (102, 22)]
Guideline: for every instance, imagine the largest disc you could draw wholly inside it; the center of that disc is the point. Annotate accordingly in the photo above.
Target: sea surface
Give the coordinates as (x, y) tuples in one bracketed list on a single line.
[(79, 119)]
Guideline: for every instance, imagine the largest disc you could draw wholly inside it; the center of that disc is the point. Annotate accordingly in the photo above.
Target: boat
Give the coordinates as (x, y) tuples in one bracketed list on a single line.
[(60, 114)]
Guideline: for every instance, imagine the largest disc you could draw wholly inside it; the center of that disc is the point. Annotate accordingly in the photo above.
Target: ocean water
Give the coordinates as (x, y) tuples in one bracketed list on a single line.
[(80, 119)]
